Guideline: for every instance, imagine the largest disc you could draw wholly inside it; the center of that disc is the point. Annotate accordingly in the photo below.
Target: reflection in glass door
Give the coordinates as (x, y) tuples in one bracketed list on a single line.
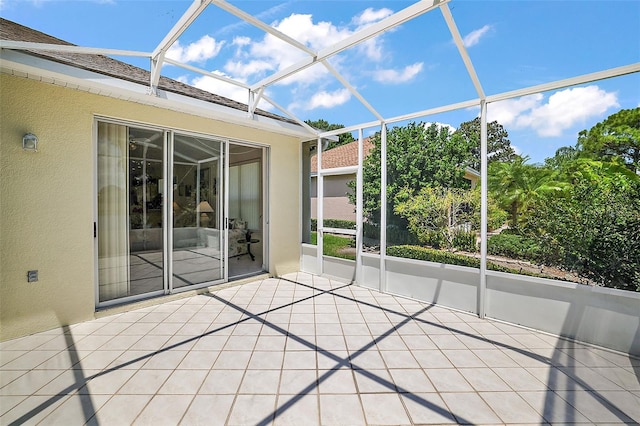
[(246, 231), (130, 211), (197, 201)]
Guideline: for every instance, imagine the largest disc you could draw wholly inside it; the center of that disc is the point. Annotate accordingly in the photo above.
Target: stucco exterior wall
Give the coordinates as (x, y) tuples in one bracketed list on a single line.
[(47, 198)]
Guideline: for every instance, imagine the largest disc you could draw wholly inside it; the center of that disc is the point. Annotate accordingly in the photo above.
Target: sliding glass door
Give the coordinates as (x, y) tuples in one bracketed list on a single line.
[(197, 210), (175, 211), (130, 219), (246, 199)]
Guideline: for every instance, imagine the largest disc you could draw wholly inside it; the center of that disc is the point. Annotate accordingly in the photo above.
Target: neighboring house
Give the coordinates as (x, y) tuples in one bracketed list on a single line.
[(85, 222), (336, 199), (472, 176)]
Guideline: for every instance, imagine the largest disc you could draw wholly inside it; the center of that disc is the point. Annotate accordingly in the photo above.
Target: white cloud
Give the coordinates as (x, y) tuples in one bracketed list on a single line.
[(246, 69), (507, 112), (370, 16), (563, 110), (241, 41), (372, 48), (221, 88), (474, 36), (273, 54), (315, 35), (447, 126), (200, 51), (254, 57), (326, 99), (392, 76), (517, 149), (227, 90)]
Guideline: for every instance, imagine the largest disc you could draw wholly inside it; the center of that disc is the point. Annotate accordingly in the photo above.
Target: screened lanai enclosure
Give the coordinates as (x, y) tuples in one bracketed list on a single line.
[(499, 177)]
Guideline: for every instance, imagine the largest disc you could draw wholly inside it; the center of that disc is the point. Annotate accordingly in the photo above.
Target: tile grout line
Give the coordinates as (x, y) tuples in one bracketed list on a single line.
[(386, 307)]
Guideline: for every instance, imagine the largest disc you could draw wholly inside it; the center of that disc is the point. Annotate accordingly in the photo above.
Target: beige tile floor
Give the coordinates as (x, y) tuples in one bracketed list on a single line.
[(304, 350)]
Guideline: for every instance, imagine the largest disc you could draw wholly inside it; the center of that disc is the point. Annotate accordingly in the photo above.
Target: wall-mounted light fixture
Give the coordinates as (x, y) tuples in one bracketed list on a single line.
[(30, 142)]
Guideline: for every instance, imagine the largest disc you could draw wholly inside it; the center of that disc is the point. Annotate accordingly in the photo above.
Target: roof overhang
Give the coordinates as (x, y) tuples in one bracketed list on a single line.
[(25, 65)]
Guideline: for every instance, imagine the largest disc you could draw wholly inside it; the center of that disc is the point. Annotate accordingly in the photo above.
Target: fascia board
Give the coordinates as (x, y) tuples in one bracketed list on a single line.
[(36, 67), (348, 129), (337, 171), (64, 48), (68, 76)]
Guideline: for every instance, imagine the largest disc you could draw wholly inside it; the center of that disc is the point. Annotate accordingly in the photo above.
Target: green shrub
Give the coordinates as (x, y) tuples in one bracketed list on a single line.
[(595, 230), (395, 235), (514, 246), (398, 235), (496, 217), (334, 223), (465, 240), (371, 230), (436, 239), (431, 255), (438, 256)]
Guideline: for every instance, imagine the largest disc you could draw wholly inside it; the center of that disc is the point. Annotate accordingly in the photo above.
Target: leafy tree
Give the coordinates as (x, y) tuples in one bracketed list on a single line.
[(437, 216), (446, 217), (617, 137), (498, 144), (516, 186), (496, 217), (417, 156), (595, 229), (321, 124), (564, 155)]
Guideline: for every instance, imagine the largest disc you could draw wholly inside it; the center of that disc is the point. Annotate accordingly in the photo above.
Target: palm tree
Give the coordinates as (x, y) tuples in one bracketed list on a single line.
[(517, 185)]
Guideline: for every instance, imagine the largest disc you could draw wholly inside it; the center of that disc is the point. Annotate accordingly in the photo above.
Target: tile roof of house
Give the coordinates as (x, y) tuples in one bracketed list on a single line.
[(104, 65), (347, 155), (342, 156)]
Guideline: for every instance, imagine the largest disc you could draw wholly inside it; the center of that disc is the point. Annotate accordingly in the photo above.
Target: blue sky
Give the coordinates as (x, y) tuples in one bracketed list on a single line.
[(512, 44)]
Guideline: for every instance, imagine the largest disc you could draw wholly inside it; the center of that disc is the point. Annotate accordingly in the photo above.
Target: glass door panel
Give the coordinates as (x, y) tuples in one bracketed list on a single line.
[(130, 211), (198, 252), (245, 212)]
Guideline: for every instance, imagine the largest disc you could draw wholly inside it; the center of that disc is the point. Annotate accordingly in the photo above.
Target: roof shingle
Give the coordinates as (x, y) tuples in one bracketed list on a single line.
[(342, 156), (104, 65)]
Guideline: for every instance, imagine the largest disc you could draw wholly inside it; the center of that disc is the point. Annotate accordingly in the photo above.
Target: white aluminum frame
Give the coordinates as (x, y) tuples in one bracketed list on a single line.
[(359, 209), (321, 229), (484, 190), (482, 103), (383, 207), (256, 91)]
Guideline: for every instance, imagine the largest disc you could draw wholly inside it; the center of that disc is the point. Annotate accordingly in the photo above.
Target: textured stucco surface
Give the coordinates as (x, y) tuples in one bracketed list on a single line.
[(47, 198)]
